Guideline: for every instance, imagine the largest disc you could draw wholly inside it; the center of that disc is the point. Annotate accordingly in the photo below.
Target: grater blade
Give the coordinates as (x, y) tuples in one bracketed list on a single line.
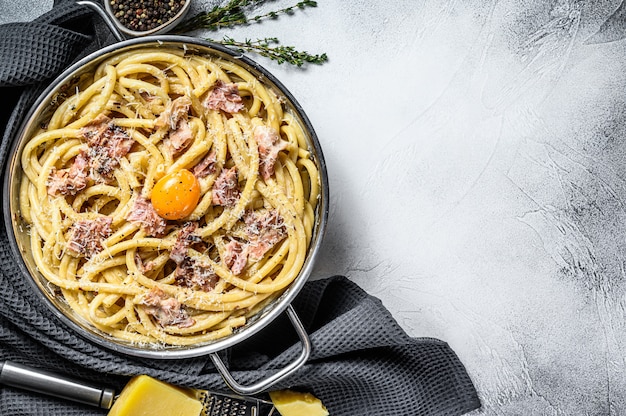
[(215, 404)]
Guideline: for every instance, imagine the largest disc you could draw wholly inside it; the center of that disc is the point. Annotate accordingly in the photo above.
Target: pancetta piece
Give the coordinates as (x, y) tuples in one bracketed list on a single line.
[(106, 145), (226, 190), (86, 236), (206, 166), (166, 309), (264, 230), (175, 111), (180, 138), (96, 128), (143, 266), (69, 181), (235, 256), (185, 239), (224, 97), (175, 118), (194, 274), (145, 216), (269, 144)]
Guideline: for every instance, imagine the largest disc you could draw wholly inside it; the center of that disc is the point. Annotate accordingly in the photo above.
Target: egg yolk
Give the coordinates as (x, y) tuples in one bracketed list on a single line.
[(176, 195)]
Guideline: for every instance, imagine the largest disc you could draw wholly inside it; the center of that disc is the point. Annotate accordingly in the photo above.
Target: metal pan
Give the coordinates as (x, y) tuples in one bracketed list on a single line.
[(20, 240)]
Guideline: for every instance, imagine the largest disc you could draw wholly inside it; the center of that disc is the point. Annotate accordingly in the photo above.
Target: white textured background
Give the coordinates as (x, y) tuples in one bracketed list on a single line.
[(476, 155)]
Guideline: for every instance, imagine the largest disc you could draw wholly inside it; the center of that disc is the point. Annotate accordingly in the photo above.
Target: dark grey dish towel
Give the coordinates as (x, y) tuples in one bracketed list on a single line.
[(362, 362)]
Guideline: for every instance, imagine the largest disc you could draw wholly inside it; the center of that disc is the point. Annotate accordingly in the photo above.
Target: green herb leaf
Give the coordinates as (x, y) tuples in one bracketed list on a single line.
[(235, 12), (271, 48)]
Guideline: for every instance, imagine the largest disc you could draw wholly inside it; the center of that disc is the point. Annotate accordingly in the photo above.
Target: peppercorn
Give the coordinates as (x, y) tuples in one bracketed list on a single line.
[(143, 15)]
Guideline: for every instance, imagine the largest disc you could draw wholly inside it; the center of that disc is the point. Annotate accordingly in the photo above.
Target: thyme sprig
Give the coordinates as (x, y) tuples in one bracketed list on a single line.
[(236, 12), (279, 53), (287, 10)]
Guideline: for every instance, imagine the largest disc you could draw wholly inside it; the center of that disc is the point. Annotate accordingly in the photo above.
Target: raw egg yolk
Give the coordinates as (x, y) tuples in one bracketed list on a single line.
[(176, 195)]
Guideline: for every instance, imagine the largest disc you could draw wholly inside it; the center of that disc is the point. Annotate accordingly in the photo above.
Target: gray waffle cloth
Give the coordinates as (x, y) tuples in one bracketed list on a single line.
[(362, 362)]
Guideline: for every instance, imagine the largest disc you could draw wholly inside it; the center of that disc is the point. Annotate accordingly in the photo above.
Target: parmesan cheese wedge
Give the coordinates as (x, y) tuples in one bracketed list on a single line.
[(146, 396), (292, 403)]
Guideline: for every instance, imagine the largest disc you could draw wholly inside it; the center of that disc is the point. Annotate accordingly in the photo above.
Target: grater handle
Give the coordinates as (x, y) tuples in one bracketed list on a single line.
[(40, 381), (264, 384)]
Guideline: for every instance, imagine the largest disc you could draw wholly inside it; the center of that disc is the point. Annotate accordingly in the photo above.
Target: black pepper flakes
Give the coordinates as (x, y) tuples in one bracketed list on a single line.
[(144, 15)]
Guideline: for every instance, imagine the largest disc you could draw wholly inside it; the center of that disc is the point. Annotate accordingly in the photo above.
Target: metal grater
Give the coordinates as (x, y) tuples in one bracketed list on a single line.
[(214, 404), (226, 405)]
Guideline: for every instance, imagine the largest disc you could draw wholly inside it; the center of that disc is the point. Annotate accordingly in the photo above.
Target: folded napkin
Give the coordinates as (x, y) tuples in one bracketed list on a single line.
[(362, 362)]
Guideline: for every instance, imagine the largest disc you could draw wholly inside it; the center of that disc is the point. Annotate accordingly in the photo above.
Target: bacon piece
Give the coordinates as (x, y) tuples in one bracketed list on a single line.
[(69, 181), (108, 135), (263, 231), (175, 111), (194, 274), (224, 97), (101, 163), (206, 166), (185, 239), (106, 145), (180, 138), (146, 267), (226, 188), (96, 127), (165, 309), (270, 145), (143, 214), (175, 119), (148, 97), (86, 236), (189, 272), (118, 142), (236, 256)]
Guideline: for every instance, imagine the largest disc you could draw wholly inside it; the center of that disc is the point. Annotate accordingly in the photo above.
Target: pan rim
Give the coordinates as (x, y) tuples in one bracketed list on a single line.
[(278, 305)]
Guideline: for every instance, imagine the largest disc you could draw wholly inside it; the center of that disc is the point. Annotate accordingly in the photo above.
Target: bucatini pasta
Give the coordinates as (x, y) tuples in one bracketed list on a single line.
[(170, 197)]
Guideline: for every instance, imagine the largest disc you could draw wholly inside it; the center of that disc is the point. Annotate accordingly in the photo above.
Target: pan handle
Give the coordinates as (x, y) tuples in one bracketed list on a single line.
[(264, 384), (105, 16)]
